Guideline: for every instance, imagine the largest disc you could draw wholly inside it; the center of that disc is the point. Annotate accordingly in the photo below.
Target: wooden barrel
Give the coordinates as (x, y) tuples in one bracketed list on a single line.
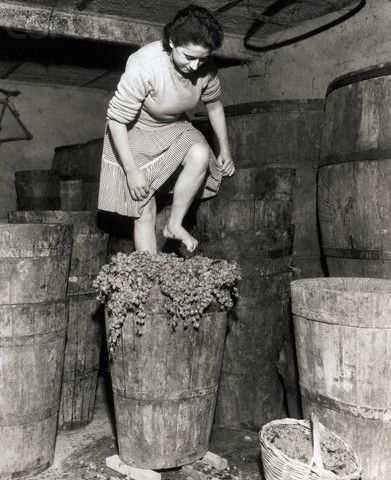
[(285, 133), (343, 338), (81, 162), (89, 253), (34, 263), (165, 386), (37, 190), (71, 194), (354, 200), (250, 221), (69, 161)]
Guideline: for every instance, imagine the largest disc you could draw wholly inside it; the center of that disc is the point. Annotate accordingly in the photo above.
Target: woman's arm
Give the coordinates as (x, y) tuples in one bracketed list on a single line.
[(135, 178), (216, 116)]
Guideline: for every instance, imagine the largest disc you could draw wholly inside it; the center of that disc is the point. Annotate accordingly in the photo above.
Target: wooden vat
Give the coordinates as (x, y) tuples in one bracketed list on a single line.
[(84, 336), (354, 201), (250, 221), (34, 265), (343, 337), (165, 387)]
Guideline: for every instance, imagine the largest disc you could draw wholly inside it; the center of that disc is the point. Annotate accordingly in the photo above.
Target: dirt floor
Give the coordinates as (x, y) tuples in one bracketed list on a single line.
[(81, 454)]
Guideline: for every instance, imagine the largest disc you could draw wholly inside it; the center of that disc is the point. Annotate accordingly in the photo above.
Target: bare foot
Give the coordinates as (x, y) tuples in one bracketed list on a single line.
[(177, 232)]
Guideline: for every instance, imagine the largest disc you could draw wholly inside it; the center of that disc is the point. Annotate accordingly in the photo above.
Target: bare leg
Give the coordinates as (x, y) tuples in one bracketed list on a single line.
[(144, 228), (189, 181)]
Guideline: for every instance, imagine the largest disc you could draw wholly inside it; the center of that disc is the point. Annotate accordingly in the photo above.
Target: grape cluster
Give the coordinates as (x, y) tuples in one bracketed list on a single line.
[(190, 287)]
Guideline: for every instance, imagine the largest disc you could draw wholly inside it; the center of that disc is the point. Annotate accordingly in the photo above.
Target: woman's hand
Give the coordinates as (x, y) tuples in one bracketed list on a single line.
[(137, 183), (226, 164)]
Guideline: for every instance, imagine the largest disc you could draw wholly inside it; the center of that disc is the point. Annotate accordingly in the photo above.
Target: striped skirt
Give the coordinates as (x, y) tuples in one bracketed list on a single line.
[(158, 153)]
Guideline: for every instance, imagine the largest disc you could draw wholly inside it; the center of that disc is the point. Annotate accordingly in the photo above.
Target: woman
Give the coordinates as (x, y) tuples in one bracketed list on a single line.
[(148, 135)]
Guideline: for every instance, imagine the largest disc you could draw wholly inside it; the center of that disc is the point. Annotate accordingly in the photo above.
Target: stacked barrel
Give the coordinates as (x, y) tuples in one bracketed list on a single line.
[(285, 134), (354, 196), (342, 323), (84, 334), (276, 134), (250, 221), (34, 265), (57, 368)]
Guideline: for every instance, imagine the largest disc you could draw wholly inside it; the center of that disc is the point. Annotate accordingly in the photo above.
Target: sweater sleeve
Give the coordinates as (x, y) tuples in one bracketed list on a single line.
[(212, 91), (133, 87)]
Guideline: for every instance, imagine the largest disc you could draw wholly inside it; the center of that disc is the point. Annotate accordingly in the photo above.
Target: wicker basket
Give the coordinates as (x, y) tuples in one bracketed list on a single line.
[(278, 466)]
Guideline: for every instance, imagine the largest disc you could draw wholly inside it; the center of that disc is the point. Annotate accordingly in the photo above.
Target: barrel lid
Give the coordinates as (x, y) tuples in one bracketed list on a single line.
[(373, 71), (350, 301)]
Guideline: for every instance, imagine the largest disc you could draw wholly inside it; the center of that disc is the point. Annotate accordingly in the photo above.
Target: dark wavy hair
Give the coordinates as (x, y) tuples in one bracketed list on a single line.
[(193, 24)]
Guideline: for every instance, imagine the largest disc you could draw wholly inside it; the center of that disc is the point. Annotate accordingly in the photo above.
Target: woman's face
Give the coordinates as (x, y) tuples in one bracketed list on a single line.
[(188, 58)]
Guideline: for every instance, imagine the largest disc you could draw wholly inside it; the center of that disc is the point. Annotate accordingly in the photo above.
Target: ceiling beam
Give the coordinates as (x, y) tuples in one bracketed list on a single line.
[(50, 22)]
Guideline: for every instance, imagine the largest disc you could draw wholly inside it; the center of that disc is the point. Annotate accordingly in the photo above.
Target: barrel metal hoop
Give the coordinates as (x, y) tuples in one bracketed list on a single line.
[(368, 413), (268, 106), (33, 339), (29, 418), (359, 76), (120, 392), (309, 316), (355, 157), (357, 254), (60, 301)]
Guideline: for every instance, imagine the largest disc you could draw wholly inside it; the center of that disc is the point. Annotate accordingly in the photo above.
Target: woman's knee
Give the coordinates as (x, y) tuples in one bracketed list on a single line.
[(149, 213), (197, 156)]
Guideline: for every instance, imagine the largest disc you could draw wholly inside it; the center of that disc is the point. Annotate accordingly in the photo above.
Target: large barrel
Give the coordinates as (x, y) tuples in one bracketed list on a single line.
[(165, 386), (84, 332), (250, 221), (343, 338), (34, 264), (285, 133), (37, 190), (354, 197)]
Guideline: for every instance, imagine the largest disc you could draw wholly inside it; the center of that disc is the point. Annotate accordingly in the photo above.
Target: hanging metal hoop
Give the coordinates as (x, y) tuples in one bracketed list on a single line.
[(6, 103)]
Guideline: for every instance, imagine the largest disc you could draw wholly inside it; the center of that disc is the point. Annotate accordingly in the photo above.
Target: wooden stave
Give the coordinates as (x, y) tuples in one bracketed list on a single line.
[(155, 394)]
